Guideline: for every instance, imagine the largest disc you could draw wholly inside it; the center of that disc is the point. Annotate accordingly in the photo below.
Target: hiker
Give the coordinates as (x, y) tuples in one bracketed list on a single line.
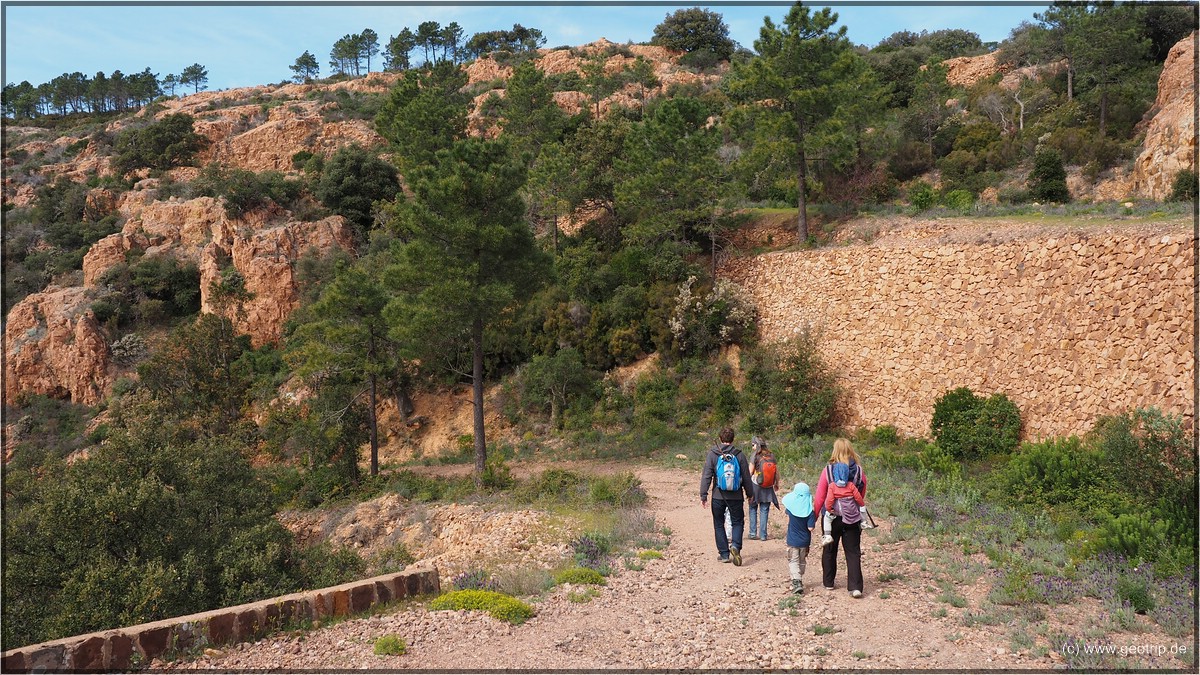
[(724, 469), (843, 499), (848, 529), (798, 505), (762, 486)]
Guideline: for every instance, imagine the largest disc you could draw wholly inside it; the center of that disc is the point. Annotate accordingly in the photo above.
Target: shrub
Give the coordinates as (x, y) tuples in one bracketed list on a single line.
[(501, 607), (967, 426), (1055, 471), (475, 580), (886, 434), (580, 575), (553, 484), (624, 489), (1133, 536), (390, 645), (245, 191), (1048, 179), (1183, 188), (1153, 451), (702, 322), (795, 389), (959, 200), (129, 349), (921, 195), (169, 142), (352, 180), (1135, 591), (592, 550)]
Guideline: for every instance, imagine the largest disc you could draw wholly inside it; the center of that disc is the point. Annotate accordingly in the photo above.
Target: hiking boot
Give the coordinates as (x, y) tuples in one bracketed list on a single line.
[(723, 558), (827, 540), (856, 594), (752, 536), (797, 587), (736, 556)]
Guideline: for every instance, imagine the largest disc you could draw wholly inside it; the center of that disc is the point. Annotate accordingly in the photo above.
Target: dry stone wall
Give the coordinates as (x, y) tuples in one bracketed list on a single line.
[(121, 649), (1070, 325)]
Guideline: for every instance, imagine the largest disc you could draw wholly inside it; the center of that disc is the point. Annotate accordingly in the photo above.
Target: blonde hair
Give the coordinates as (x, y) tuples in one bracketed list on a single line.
[(843, 452)]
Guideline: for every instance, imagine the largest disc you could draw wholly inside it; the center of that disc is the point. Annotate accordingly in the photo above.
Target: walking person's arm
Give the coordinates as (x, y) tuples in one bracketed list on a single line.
[(706, 478)]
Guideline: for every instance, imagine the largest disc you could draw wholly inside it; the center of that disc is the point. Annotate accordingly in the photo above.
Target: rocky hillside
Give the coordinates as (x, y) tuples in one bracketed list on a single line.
[(54, 344)]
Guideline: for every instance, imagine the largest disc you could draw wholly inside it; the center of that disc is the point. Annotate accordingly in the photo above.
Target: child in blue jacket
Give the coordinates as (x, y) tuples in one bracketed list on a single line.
[(798, 504)]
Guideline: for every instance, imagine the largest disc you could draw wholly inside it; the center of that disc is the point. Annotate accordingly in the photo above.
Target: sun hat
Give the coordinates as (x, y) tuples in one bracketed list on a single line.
[(799, 502)]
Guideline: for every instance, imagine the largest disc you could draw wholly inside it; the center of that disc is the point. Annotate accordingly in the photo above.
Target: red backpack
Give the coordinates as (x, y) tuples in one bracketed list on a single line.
[(767, 469)]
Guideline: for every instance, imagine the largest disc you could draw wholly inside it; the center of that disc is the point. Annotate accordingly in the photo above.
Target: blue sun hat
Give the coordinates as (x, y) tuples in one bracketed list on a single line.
[(799, 502)]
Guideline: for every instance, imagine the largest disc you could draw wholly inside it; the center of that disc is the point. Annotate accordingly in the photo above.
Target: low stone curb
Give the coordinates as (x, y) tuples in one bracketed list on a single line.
[(115, 650)]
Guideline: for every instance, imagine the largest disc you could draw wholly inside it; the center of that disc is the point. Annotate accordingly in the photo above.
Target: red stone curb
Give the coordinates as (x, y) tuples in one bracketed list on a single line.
[(114, 650)]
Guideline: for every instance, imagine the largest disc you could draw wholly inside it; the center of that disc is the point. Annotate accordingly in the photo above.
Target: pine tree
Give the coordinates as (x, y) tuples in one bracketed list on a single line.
[(466, 256)]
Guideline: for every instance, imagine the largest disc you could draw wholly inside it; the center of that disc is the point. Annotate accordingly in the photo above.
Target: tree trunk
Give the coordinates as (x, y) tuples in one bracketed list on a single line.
[(477, 398), (712, 245), (1103, 109), (802, 198), (555, 222), (374, 432)]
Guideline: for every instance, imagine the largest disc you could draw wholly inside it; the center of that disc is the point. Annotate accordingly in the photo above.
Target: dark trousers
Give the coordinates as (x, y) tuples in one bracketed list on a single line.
[(851, 538), (738, 517)]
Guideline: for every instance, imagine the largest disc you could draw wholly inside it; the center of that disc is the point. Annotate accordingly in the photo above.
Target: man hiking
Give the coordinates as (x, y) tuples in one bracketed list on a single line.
[(727, 472)]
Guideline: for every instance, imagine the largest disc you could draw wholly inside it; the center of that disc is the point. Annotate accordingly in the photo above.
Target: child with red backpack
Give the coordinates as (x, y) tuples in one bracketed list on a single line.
[(763, 481)]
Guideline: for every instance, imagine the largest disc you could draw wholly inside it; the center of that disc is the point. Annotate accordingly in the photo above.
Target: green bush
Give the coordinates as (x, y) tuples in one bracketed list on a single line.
[(390, 645), (1183, 188), (794, 388), (246, 191), (499, 606), (1153, 451), (967, 426), (1135, 591), (1048, 179), (580, 575), (169, 142), (351, 181), (1136, 536), (959, 200), (922, 196)]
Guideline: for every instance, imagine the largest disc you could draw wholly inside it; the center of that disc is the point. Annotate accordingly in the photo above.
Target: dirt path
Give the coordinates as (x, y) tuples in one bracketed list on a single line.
[(687, 611)]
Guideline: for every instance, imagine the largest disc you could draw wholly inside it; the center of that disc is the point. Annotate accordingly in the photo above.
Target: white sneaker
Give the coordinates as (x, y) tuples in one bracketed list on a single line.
[(856, 594)]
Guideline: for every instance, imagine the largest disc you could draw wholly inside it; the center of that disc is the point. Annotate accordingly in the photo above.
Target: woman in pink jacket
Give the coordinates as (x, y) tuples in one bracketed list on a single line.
[(849, 534)]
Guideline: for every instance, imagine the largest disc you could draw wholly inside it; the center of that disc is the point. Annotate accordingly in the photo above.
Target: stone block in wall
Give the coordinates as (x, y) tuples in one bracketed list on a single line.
[(14, 662), (271, 615), (361, 597), (221, 628), (152, 642), (341, 602), (412, 585), (87, 654), (120, 651), (249, 624), (322, 604), (49, 658), (383, 591), (188, 634)]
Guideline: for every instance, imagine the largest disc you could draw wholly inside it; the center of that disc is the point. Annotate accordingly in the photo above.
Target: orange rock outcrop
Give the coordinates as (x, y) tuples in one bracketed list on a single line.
[(54, 346), (1170, 145)]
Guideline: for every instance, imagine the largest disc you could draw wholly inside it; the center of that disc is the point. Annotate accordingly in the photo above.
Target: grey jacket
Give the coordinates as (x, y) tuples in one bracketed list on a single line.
[(709, 477)]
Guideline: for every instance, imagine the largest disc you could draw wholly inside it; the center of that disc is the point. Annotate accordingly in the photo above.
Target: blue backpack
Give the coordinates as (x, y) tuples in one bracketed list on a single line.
[(729, 473)]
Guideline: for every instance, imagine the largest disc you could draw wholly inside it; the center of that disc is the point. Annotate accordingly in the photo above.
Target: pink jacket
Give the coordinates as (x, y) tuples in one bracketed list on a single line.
[(822, 491)]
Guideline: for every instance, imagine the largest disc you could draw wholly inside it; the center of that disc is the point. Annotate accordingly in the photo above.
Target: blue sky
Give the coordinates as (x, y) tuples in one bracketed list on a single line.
[(243, 44)]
